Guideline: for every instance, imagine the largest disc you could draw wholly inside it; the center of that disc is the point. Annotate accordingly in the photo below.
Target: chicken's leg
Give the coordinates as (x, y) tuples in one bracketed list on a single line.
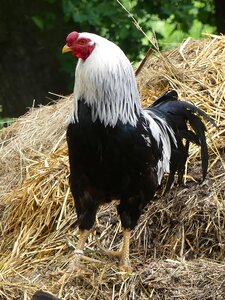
[(125, 251), (75, 265), (84, 234)]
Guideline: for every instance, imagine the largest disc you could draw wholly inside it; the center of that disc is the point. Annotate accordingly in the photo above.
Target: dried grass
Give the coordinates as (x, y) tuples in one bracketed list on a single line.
[(178, 247)]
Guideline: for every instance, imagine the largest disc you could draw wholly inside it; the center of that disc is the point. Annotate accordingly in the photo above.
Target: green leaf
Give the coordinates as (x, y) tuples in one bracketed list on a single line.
[(39, 22)]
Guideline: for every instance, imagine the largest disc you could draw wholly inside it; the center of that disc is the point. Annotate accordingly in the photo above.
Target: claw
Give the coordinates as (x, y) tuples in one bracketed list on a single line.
[(75, 265), (123, 253), (112, 252), (75, 268), (125, 268)]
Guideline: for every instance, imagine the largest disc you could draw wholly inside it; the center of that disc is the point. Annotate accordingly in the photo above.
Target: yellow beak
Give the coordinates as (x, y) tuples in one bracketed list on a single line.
[(66, 49)]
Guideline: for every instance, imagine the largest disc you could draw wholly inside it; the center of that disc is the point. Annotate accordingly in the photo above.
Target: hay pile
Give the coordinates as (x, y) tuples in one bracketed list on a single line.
[(178, 247)]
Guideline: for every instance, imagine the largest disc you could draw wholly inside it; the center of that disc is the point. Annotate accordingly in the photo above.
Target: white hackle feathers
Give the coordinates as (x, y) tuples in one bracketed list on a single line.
[(106, 81)]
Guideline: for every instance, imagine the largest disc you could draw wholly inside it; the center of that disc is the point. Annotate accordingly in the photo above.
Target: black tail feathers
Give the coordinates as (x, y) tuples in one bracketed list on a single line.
[(186, 121)]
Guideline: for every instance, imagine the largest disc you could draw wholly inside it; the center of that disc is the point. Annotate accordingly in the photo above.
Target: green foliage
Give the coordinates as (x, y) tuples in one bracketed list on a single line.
[(39, 22), (45, 21), (4, 122), (104, 18), (170, 21)]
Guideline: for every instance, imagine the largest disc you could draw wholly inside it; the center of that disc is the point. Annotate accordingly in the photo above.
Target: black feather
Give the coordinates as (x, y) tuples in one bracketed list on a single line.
[(111, 163), (190, 136), (178, 114), (200, 129), (171, 95), (169, 103)]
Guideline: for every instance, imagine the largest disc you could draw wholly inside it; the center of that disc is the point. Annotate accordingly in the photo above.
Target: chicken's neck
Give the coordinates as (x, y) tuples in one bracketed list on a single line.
[(110, 90)]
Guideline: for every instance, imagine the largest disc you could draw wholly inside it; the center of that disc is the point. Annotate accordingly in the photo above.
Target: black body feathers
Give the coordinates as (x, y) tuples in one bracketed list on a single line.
[(109, 163), (126, 162)]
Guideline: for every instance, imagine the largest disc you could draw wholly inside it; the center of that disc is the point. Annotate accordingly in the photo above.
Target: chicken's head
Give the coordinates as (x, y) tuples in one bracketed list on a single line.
[(79, 45)]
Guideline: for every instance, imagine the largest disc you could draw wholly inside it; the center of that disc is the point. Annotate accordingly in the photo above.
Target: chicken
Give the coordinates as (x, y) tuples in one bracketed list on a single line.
[(117, 149)]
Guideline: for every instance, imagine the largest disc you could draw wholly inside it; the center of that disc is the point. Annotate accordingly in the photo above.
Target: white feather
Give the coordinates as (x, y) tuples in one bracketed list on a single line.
[(161, 135), (106, 81)]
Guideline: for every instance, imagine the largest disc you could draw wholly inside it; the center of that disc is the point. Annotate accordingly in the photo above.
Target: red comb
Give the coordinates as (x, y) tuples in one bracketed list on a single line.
[(72, 36)]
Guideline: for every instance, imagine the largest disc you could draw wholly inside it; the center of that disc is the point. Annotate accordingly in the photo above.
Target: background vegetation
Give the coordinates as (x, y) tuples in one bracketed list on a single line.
[(33, 33)]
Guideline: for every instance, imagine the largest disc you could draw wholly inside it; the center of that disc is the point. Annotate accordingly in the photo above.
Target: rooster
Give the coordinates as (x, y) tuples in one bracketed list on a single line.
[(117, 149)]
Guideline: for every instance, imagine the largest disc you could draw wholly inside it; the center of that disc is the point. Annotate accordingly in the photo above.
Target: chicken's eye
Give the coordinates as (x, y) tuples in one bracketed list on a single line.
[(82, 41)]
